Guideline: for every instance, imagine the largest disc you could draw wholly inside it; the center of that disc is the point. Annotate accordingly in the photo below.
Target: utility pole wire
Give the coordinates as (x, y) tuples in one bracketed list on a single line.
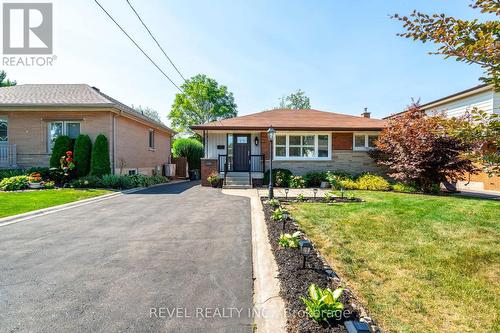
[(156, 41), (137, 45)]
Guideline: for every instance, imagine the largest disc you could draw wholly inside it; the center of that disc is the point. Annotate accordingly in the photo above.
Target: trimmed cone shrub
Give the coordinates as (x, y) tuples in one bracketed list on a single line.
[(62, 144), (82, 154), (100, 164), (192, 149)]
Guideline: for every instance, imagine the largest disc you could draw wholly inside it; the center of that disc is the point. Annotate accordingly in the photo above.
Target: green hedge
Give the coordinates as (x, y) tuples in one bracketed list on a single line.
[(7, 173), (82, 155), (100, 164), (192, 149), (281, 177), (117, 182), (62, 144)]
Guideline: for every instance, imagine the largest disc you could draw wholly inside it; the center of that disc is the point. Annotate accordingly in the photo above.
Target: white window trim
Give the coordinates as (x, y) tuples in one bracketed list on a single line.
[(296, 158), (64, 130), (366, 134), (153, 148)]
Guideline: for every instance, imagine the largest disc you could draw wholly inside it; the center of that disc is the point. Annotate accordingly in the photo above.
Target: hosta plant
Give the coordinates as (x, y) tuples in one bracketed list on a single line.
[(278, 214), (273, 203), (323, 304), (289, 241)]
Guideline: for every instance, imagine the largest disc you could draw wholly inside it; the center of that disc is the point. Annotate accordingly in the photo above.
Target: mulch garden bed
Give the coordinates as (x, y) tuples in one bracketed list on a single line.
[(295, 280)]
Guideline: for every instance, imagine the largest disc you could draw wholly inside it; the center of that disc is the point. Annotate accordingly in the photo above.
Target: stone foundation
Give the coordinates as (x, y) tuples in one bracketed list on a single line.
[(354, 162)]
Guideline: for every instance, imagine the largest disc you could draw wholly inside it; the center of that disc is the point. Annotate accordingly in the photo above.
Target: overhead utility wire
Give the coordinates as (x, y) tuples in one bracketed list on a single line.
[(156, 41), (137, 45)]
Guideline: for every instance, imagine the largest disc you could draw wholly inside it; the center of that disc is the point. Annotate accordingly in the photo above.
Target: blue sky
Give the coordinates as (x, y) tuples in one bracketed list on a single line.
[(344, 54)]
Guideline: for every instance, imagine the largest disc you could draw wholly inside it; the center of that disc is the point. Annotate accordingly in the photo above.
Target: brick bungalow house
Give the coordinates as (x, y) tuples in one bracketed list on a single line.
[(33, 115), (306, 140), (482, 97)]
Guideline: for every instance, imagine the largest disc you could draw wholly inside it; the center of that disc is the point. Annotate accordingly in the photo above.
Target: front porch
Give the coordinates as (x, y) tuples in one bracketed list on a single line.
[(8, 155)]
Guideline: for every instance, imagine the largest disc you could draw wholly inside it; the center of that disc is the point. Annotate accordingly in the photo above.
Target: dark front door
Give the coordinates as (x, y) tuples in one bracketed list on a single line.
[(241, 154)]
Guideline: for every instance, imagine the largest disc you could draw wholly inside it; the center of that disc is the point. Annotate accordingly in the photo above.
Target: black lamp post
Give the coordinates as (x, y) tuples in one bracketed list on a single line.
[(286, 193), (305, 249), (270, 134), (315, 190)]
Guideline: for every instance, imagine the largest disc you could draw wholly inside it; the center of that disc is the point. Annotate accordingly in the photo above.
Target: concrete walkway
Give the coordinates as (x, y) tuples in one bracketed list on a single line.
[(268, 305), (174, 258)]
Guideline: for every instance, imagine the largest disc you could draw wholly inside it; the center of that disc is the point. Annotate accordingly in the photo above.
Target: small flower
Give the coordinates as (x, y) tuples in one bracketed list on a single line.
[(69, 153), (69, 159)]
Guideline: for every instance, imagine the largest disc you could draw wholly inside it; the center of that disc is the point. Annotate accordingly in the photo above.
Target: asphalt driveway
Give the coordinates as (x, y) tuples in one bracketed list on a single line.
[(175, 258)]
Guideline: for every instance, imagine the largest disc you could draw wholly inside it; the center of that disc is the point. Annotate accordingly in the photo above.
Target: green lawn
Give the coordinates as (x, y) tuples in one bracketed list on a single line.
[(12, 203), (419, 263)]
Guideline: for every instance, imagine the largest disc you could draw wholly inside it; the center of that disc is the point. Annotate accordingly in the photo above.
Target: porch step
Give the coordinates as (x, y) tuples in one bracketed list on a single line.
[(234, 187)]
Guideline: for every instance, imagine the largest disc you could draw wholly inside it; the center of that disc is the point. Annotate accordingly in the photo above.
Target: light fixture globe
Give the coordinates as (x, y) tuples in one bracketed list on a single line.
[(271, 132)]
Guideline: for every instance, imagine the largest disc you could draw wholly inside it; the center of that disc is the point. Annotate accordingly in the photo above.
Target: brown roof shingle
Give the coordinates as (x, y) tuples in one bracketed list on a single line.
[(65, 95), (286, 119)]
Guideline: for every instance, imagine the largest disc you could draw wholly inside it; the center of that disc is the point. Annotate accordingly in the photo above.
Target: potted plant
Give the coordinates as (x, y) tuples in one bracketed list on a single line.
[(35, 180), (213, 179)]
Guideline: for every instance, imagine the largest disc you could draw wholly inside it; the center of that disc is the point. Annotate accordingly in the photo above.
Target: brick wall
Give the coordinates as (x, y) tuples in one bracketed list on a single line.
[(132, 147), (342, 141), (264, 145), (28, 131), (207, 167)]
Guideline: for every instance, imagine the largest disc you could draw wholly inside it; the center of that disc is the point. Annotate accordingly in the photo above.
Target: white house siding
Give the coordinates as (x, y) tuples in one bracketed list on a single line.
[(487, 101), (215, 139)]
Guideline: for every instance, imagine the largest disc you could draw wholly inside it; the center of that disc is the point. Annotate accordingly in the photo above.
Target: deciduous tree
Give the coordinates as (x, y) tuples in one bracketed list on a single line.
[(472, 41), (416, 150), (297, 100), (481, 132), (202, 100), (4, 82)]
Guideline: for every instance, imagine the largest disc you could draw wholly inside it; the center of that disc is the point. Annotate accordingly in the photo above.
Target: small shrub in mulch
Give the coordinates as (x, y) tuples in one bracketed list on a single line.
[(295, 280)]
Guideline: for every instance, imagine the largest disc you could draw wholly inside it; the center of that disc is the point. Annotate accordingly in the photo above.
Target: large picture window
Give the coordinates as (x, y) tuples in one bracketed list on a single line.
[(58, 128), (298, 146)]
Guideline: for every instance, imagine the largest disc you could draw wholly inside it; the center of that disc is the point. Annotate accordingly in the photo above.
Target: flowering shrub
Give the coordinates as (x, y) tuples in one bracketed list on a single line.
[(14, 183), (297, 182), (35, 177), (67, 163), (372, 182), (49, 185), (213, 179)]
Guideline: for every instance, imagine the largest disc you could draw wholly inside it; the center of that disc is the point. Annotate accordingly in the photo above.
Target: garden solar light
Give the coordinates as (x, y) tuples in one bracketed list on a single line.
[(286, 193), (285, 218), (305, 249), (342, 192), (356, 327), (315, 190)]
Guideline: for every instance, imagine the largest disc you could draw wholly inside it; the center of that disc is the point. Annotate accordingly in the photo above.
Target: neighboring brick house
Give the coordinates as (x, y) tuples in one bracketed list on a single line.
[(306, 140), (33, 115), (483, 97)]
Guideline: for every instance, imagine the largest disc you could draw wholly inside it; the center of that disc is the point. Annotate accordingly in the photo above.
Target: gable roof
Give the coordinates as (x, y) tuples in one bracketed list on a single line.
[(287, 119), (66, 95), (453, 97)]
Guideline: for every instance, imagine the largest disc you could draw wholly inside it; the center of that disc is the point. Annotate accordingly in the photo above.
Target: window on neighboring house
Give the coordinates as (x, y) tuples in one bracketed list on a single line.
[(151, 139), (132, 172), (3, 130), (58, 128), (364, 141), (302, 146)]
